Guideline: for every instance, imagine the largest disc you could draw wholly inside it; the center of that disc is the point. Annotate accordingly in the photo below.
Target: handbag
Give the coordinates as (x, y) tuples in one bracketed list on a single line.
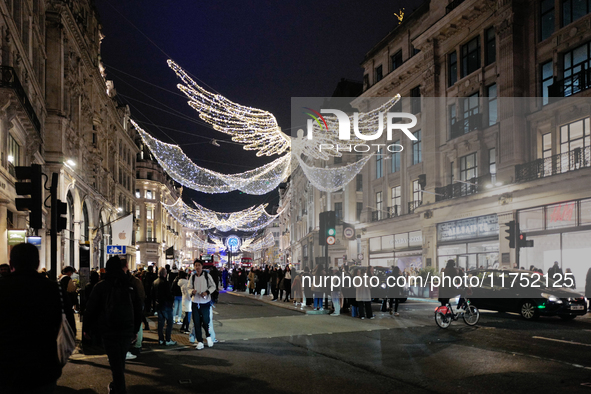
[(66, 342)]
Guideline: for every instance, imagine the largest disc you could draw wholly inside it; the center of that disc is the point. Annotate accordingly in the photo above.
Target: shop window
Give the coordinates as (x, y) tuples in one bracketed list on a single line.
[(561, 215), (546, 19), (471, 56), (531, 219)]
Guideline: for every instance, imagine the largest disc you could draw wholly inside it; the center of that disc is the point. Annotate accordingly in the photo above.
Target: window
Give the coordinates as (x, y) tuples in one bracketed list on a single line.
[(338, 209), (396, 159), (396, 201), (150, 176), (149, 232), (453, 115), (338, 159), (395, 60), (417, 155), (468, 167), (451, 173), (358, 211), (137, 193), (417, 193), (547, 78), (471, 56), (359, 183), (573, 10), (149, 213), (378, 74), (452, 61), (575, 62), (379, 206), (492, 165), (137, 211), (414, 50), (574, 137), (547, 152), (491, 92), (415, 101), (149, 194), (379, 164), (470, 109), (14, 152), (490, 47), (546, 19)]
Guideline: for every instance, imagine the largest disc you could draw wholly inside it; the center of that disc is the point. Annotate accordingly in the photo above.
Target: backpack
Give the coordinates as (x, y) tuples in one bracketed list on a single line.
[(119, 308)]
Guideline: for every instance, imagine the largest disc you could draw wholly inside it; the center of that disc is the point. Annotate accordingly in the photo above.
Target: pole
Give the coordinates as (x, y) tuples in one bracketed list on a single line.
[(53, 229)]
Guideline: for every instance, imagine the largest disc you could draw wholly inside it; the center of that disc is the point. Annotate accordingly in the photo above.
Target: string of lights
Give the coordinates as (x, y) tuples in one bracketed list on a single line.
[(332, 179), (263, 243)]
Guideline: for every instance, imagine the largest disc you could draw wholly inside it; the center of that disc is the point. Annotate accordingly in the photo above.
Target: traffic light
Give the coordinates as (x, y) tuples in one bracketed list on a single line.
[(62, 219), (327, 228), (511, 231), (34, 189), (524, 243)]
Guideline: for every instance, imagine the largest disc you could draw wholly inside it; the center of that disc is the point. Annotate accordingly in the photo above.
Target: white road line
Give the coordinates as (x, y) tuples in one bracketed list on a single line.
[(562, 341)]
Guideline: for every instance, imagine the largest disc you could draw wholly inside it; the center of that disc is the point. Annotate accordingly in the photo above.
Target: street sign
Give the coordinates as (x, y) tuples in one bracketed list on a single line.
[(116, 249), (360, 256), (330, 240)]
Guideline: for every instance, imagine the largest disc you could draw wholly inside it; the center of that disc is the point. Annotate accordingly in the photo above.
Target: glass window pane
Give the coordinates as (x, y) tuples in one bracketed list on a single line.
[(576, 130), (547, 141), (561, 215), (531, 219)]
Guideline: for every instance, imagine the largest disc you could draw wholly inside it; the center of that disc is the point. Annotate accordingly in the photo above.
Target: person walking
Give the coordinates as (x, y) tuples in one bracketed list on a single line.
[(177, 307), (394, 291), (149, 278), (251, 281), (29, 362), (363, 298), (69, 292), (164, 300), (114, 310), (184, 285), (287, 283), (274, 278), (225, 276), (201, 286), (214, 275)]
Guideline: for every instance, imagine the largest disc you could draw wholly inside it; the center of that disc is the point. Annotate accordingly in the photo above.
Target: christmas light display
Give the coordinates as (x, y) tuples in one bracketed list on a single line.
[(201, 218), (332, 179), (259, 181), (264, 243)]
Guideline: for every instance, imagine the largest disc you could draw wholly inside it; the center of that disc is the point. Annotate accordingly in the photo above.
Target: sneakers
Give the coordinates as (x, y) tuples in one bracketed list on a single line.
[(397, 314), (209, 342), (191, 338), (373, 317), (363, 318), (130, 356), (216, 340), (335, 314), (161, 342), (199, 346), (170, 343)]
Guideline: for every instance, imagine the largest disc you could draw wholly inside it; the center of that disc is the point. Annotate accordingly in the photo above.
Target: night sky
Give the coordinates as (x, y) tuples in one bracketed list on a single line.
[(256, 53)]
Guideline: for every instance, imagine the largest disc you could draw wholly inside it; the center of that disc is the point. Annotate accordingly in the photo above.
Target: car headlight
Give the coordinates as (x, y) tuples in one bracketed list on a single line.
[(552, 298)]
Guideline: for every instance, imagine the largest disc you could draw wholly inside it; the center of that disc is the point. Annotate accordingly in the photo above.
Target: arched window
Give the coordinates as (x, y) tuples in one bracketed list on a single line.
[(85, 232)]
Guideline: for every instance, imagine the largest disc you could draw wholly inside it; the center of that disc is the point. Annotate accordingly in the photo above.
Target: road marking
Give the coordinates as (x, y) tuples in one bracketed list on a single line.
[(562, 341)]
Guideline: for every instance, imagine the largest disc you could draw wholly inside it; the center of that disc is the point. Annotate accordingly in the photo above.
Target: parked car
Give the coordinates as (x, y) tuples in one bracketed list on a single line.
[(526, 293)]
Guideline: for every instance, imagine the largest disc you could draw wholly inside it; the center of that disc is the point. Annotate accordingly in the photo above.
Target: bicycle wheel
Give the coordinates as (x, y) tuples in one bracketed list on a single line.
[(442, 320), (471, 315)]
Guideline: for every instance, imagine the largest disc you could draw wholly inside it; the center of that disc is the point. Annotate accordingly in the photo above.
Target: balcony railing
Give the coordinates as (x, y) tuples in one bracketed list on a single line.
[(389, 212), (460, 189), (151, 240), (571, 85), (558, 164), (10, 80), (466, 125), (414, 205), (450, 7)]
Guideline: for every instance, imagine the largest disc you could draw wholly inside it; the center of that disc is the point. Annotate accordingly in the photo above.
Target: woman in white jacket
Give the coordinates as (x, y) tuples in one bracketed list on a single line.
[(186, 303)]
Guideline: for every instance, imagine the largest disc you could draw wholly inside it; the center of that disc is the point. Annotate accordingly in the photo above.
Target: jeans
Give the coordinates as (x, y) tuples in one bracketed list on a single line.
[(336, 302), (140, 338), (164, 313), (201, 313), (116, 349), (186, 321), (317, 300), (177, 308)]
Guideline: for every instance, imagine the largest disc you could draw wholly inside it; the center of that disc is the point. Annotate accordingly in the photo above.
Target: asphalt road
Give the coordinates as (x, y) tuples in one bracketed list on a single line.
[(274, 348)]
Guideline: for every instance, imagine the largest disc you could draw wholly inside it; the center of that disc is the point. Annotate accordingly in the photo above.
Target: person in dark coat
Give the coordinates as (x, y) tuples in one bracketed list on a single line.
[(225, 278), (162, 293), (69, 292), (114, 310), (447, 290), (149, 278), (588, 286), (274, 289), (29, 362)]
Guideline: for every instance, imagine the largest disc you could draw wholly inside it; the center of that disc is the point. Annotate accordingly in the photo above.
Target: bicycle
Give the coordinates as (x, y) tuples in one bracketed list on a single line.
[(444, 315)]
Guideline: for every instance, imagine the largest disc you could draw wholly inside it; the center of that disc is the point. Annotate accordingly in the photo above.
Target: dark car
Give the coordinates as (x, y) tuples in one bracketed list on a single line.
[(525, 292)]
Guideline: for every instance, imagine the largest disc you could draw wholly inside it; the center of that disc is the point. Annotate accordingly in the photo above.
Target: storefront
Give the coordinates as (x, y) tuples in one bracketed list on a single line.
[(472, 243), (561, 232), (404, 250)]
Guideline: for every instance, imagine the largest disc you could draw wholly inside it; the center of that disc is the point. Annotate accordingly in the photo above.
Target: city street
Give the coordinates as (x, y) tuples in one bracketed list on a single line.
[(272, 347)]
